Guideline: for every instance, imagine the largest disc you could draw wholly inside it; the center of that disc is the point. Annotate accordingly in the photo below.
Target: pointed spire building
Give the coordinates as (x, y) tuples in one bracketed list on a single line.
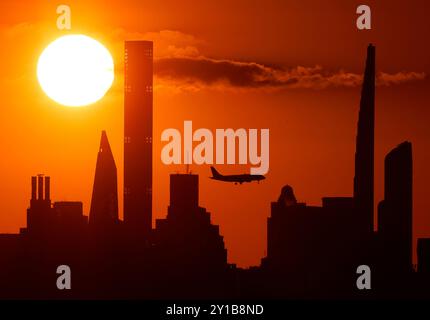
[(364, 154), (104, 202)]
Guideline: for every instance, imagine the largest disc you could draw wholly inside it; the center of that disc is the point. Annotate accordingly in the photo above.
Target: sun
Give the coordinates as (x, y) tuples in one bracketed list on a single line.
[(75, 70)]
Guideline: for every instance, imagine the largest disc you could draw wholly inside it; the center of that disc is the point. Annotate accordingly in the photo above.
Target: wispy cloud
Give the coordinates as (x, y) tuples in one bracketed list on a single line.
[(201, 72), (167, 43), (387, 79)]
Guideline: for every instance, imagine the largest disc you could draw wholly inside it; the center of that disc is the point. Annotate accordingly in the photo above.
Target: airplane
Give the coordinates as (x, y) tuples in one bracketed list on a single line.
[(239, 178)]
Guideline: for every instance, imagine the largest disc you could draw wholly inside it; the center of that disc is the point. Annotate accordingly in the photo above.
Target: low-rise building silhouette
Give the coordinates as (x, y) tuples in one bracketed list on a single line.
[(189, 246)]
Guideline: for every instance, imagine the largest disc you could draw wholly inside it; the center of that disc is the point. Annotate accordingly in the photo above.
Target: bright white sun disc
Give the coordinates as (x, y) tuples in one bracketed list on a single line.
[(75, 70)]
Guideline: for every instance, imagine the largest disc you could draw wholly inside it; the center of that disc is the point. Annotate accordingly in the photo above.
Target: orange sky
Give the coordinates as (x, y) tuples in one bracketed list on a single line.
[(312, 121)]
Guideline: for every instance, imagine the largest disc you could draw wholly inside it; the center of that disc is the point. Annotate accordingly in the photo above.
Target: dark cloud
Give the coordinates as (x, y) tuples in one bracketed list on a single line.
[(387, 79), (199, 72)]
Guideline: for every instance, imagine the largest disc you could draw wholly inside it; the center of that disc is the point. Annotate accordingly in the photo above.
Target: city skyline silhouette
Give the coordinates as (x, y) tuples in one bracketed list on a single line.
[(262, 68), (312, 251)]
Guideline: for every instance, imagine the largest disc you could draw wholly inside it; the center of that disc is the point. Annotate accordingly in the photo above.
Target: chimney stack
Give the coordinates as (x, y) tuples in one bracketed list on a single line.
[(47, 188), (33, 187)]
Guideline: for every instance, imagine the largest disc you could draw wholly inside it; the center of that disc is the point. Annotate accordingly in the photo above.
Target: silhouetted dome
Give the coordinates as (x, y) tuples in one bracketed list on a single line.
[(287, 197)]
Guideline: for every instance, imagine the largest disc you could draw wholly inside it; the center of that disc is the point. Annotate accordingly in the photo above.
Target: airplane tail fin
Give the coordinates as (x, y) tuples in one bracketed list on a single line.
[(215, 173)]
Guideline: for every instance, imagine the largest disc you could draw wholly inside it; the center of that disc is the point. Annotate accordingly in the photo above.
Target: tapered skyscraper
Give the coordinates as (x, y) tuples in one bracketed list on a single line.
[(364, 154), (104, 202), (138, 137)]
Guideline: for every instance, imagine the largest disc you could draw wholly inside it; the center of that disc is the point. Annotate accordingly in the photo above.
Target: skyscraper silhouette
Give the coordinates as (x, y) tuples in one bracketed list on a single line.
[(395, 211), (187, 235), (138, 137), (364, 155), (104, 202), (188, 245), (338, 235)]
